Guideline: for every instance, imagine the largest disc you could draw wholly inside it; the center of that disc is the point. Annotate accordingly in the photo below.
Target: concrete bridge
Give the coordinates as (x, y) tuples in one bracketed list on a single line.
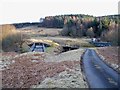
[(101, 44), (38, 47)]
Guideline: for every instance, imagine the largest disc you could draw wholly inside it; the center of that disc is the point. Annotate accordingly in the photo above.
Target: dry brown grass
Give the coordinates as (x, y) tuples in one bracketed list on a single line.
[(112, 36), (25, 72), (111, 56), (37, 32), (10, 38), (110, 53), (6, 30)]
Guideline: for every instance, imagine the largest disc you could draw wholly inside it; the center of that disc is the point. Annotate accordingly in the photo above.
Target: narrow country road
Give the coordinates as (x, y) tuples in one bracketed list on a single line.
[(98, 74)]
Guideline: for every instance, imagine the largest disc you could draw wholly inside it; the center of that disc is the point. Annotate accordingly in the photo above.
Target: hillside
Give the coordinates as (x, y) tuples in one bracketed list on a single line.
[(80, 25)]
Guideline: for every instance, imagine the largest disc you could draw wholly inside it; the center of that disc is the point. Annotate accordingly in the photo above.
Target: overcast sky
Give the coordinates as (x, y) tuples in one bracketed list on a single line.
[(14, 11)]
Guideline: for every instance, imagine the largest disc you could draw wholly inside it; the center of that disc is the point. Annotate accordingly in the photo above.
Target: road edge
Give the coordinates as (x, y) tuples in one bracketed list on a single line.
[(113, 66)]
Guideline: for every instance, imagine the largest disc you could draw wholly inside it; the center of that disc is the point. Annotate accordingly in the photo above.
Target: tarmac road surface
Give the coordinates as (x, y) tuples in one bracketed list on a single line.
[(98, 74)]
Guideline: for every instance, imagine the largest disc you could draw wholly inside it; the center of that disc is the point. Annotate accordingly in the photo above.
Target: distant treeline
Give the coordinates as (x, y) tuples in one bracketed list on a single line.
[(26, 24), (58, 21), (79, 25)]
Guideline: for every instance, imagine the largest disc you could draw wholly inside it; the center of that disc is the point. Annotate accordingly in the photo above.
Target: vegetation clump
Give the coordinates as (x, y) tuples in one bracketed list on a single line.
[(11, 40)]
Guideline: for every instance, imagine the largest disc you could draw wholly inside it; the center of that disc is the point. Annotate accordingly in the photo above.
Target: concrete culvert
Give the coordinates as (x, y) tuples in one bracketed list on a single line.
[(68, 48), (38, 47)]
